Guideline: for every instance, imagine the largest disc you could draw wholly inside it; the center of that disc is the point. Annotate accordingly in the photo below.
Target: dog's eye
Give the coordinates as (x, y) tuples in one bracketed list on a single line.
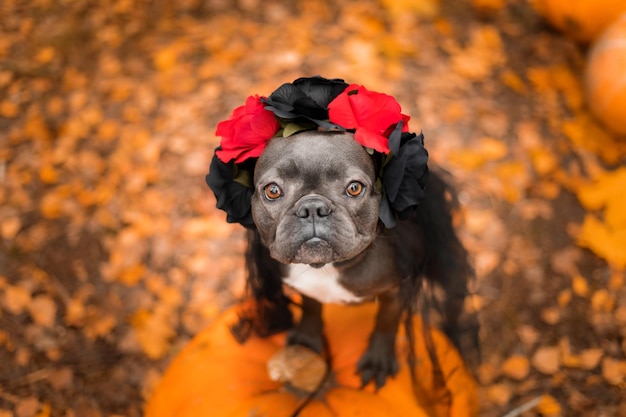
[(273, 191), (354, 189)]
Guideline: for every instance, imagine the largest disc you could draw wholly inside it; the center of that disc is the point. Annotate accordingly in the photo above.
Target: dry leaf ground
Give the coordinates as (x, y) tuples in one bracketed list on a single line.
[(112, 255)]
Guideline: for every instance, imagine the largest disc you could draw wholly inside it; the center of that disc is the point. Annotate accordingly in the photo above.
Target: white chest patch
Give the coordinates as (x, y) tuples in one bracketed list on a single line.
[(321, 284)]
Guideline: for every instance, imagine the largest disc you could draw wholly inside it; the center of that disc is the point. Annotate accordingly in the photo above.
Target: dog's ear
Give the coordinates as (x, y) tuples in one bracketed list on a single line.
[(232, 185)]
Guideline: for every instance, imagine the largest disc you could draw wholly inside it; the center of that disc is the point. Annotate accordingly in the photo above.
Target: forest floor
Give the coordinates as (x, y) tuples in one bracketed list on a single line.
[(112, 254)]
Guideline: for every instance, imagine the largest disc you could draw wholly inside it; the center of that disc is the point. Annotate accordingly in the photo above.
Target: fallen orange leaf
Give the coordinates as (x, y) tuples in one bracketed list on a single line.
[(544, 161), (514, 178), (98, 325), (42, 309), (600, 192), (483, 54), (132, 275), (590, 358), (108, 130), (580, 286), (422, 8), (564, 297), (547, 360), (165, 58), (602, 300), (153, 331), (513, 81), (551, 315), (549, 406), (605, 242), (9, 109), (585, 134), (45, 55), (492, 149), (568, 358), (26, 407), (15, 299), (44, 411), (614, 371), (516, 367), (10, 226), (499, 394), (48, 174), (75, 313)]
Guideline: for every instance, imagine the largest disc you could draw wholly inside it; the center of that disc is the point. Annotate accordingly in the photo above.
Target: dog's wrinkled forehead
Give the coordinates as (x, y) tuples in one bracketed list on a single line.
[(316, 156)]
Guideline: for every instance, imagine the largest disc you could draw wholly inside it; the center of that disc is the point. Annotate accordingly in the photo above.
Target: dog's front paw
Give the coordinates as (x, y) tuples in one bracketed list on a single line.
[(378, 361), (314, 341)]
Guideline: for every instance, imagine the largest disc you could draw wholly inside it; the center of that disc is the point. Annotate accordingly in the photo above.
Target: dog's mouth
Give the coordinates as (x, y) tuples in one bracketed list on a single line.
[(315, 252)]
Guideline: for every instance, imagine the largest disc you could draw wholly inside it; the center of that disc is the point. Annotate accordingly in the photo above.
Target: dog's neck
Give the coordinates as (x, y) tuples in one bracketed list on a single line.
[(322, 284), (361, 278)]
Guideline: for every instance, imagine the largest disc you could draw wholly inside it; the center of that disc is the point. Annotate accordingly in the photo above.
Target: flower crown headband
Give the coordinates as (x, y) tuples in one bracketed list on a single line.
[(317, 103)]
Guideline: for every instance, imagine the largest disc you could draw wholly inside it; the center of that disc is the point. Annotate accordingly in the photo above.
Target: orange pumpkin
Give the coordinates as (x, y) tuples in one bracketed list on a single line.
[(581, 20), (605, 77), (217, 377)]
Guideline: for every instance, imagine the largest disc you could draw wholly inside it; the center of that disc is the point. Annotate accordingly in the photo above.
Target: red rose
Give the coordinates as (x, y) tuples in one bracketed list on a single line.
[(372, 115), (246, 132)]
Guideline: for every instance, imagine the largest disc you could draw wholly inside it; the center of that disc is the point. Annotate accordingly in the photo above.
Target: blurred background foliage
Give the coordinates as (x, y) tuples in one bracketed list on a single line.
[(112, 255)]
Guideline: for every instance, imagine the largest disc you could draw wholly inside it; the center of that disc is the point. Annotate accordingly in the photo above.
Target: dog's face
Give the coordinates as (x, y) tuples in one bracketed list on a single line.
[(315, 198)]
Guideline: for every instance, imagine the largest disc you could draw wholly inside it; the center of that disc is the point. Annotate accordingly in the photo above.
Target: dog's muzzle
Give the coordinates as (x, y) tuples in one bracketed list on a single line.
[(314, 211)]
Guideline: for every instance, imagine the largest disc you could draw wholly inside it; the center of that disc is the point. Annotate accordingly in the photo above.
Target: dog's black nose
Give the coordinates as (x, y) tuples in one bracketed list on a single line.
[(313, 207)]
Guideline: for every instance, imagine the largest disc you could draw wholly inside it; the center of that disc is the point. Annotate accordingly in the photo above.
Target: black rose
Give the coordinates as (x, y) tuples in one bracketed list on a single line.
[(233, 196), (305, 100), (403, 177)]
